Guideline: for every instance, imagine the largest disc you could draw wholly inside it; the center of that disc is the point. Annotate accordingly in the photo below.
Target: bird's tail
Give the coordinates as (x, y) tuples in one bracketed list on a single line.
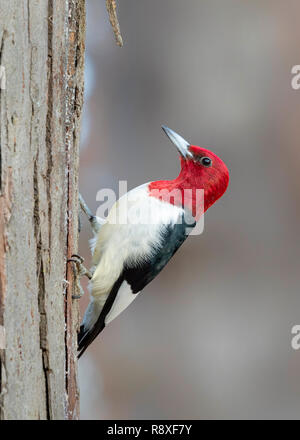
[(94, 318), (92, 325)]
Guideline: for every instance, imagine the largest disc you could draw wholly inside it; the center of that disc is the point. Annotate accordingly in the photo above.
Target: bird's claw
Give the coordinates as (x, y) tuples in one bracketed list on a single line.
[(79, 270), (77, 261), (76, 258)]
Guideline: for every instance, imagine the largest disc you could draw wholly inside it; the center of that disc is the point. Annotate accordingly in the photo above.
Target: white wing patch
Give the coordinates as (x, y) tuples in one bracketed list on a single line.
[(123, 299)]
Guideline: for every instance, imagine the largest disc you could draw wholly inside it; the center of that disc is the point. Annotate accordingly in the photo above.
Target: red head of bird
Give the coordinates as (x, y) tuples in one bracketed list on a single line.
[(201, 169)]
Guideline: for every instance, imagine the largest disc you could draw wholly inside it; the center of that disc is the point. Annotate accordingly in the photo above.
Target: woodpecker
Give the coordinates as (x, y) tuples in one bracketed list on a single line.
[(128, 254)]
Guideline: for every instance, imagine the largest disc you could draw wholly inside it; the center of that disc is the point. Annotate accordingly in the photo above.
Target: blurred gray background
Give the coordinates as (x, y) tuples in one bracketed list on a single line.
[(211, 336)]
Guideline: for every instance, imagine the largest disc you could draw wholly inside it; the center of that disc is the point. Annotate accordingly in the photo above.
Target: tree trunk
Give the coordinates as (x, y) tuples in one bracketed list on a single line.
[(42, 54)]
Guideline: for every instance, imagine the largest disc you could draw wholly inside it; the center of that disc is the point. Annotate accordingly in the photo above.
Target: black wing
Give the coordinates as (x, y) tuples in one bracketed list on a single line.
[(139, 275)]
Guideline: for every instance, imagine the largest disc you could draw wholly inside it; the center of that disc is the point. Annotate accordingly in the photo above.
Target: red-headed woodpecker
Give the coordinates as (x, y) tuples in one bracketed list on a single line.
[(128, 254)]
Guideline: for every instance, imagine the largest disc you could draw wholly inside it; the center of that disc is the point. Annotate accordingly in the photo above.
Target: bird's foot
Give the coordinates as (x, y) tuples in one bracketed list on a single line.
[(79, 270), (95, 222)]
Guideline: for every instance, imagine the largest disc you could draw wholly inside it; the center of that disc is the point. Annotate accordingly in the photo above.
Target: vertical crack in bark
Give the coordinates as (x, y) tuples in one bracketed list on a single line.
[(43, 337), (41, 290), (43, 325), (4, 35)]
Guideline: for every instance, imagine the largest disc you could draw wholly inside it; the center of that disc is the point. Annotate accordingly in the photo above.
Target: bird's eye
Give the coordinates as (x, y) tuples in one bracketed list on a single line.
[(206, 161)]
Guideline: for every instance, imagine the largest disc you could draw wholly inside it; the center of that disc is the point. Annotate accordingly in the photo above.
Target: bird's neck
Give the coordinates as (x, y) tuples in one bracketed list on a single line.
[(187, 190)]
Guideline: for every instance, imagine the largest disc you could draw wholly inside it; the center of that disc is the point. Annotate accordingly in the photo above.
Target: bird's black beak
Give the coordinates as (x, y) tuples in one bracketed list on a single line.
[(181, 144)]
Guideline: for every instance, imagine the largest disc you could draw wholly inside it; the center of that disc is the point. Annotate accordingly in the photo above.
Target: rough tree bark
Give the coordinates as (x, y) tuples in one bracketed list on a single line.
[(42, 52)]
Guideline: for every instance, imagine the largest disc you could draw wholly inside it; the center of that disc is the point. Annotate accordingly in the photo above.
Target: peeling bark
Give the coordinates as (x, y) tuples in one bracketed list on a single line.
[(42, 51)]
